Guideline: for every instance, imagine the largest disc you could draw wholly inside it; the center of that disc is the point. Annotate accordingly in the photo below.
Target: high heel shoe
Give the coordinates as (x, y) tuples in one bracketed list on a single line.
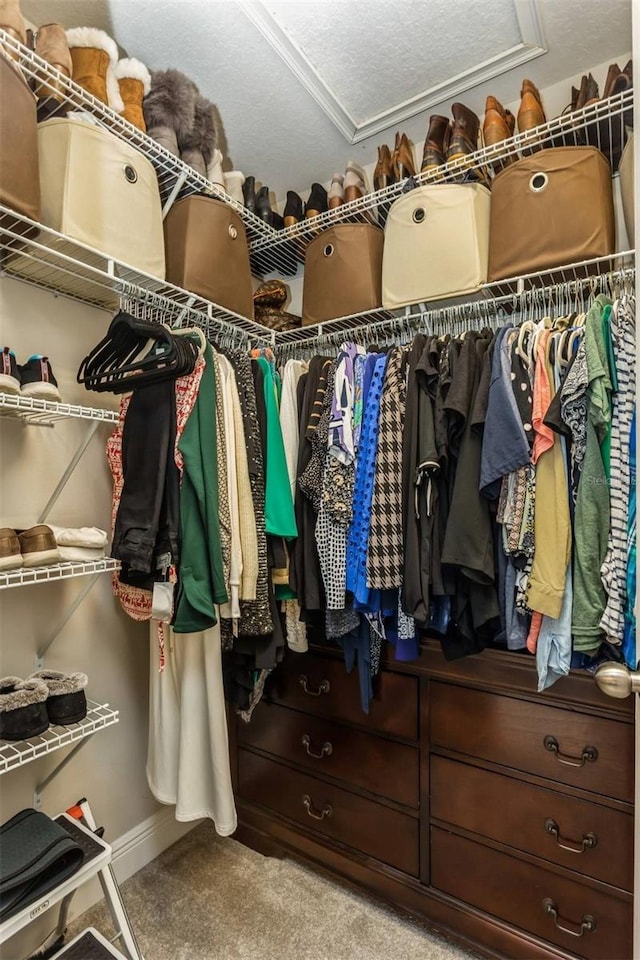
[(293, 209), (317, 202), (336, 191), (402, 161), (436, 143), (354, 182), (249, 193), (263, 205), (607, 133)]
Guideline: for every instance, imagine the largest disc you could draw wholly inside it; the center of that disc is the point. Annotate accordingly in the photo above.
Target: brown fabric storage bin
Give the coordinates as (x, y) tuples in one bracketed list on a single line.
[(19, 171), (551, 209), (342, 272), (206, 252)]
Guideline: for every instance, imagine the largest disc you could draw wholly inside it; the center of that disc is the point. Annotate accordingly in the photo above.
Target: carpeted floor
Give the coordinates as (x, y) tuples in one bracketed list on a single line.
[(206, 898)]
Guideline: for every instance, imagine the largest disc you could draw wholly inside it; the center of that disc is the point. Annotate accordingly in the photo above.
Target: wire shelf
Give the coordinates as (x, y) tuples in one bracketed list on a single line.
[(31, 410), (601, 125), (16, 753), (25, 576), (176, 179), (492, 301), (41, 256)]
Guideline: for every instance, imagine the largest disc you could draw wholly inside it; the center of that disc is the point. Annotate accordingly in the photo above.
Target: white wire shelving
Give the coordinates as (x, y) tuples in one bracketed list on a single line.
[(16, 753), (555, 290), (602, 124), (26, 576), (41, 256), (176, 179), (33, 410)]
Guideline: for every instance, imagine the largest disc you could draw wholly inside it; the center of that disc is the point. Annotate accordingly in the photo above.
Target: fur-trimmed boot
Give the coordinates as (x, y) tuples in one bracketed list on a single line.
[(95, 55), (66, 701), (13, 22), (197, 147), (170, 108), (134, 81), (51, 45)]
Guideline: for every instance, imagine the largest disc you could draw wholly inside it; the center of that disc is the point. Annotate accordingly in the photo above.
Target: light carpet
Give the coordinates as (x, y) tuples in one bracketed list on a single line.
[(208, 898)]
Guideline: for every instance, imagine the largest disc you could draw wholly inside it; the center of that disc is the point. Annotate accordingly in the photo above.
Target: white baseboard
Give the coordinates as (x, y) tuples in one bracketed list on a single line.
[(134, 850)]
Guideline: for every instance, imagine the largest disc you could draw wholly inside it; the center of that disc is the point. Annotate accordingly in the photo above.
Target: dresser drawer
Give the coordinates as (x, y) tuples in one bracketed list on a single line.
[(577, 834), (367, 826), (361, 759), (585, 751), (528, 896), (322, 686)]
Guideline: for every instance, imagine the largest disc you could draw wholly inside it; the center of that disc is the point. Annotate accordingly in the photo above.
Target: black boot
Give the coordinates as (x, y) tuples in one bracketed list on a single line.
[(263, 206), (249, 194), (293, 209), (317, 202)]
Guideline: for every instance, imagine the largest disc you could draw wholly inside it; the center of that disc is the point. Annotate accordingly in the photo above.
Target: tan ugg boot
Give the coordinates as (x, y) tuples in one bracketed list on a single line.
[(95, 55), (134, 81), (51, 45), (13, 22)]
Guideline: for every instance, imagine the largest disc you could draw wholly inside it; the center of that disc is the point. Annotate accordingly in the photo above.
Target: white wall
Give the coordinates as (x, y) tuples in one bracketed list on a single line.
[(99, 639)]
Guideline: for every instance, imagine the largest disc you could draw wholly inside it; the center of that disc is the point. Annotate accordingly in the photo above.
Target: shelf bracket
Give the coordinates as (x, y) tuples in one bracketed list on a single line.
[(177, 187), (43, 784), (42, 651), (70, 468)]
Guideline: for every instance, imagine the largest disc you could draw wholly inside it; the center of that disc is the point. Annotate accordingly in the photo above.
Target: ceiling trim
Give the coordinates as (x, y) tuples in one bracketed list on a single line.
[(532, 45)]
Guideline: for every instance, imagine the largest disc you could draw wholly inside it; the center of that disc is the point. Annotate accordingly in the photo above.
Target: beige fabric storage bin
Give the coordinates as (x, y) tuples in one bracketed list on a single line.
[(436, 243), (101, 191)]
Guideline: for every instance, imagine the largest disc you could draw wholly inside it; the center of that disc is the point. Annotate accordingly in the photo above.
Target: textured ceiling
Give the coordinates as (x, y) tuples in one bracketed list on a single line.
[(375, 55), (274, 129)]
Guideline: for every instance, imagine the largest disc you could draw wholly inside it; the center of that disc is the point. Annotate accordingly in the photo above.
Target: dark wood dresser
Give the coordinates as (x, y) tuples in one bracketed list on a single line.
[(501, 816)]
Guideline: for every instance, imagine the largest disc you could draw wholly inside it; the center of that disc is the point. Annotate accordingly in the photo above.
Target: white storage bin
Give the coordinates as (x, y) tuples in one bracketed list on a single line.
[(436, 243), (101, 191)]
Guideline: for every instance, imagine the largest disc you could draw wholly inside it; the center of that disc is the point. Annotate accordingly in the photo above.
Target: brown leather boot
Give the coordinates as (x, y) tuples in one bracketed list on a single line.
[(402, 161), (436, 143), (13, 22), (531, 112), (383, 174), (51, 45), (499, 123)]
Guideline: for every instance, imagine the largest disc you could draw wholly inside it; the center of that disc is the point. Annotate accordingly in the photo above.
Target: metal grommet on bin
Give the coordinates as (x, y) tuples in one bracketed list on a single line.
[(130, 173), (328, 250), (419, 214), (233, 232), (538, 182)]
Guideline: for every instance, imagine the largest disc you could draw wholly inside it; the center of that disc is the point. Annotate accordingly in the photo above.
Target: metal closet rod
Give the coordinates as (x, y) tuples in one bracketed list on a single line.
[(569, 296)]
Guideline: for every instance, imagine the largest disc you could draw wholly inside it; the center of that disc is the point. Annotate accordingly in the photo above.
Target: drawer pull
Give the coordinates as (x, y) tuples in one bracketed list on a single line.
[(588, 841), (326, 811), (323, 688), (587, 924), (589, 754), (326, 750)]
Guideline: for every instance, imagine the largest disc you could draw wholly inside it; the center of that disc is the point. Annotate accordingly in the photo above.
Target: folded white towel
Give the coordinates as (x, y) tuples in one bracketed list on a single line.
[(80, 553), (79, 536)]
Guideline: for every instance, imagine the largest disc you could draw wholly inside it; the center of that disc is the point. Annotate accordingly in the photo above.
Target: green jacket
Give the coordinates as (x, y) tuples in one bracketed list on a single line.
[(200, 571)]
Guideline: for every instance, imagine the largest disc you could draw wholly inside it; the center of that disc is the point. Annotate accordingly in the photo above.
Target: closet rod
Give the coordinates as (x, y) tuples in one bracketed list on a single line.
[(569, 296)]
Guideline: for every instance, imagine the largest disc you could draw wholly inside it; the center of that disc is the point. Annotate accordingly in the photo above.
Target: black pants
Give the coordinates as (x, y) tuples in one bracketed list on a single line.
[(146, 536)]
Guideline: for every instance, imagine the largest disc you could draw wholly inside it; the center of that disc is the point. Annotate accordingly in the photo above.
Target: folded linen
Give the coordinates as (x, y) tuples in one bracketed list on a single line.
[(81, 554), (92, 537)]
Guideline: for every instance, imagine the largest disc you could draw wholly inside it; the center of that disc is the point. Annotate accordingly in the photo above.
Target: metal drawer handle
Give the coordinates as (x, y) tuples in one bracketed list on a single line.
[(589, 754), (587, 924), (588, 841), (326, 811), (327, 748), (323, 688)]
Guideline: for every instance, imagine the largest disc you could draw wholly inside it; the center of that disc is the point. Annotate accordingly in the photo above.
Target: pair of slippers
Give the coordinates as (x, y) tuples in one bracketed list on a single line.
[(48, 697)]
